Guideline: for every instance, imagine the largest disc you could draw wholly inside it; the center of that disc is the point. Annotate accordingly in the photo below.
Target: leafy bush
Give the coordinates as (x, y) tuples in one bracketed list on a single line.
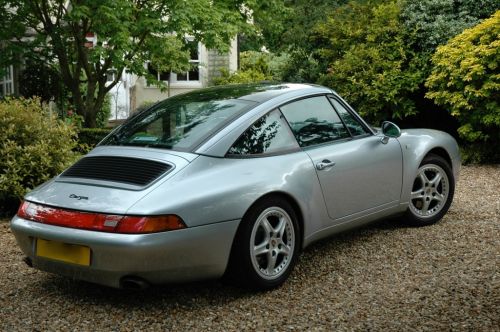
[(465, 79), (301, 67), (34, 147), (370, 59), (104, 113), (242, 76), (89, 137), (254, 67), (434, 22), (145, 105)]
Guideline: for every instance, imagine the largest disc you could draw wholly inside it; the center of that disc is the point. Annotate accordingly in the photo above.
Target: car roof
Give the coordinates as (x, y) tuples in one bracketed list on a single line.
[(255, 92), (264, 96)]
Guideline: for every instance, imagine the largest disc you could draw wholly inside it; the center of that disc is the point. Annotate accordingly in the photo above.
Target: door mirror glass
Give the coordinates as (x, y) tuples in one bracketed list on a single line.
[(389, 129)]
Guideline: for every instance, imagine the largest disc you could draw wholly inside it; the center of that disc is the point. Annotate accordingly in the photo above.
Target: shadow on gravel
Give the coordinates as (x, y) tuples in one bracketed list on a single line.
[(204, 293), (194, 294)]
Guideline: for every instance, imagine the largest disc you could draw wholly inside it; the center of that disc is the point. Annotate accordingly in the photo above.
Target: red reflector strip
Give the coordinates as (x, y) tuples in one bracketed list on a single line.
[(98, 221)]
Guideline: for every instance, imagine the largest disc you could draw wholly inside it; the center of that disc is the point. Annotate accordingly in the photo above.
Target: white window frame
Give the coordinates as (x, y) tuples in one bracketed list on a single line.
[(7, 82), (174, 82), (192, 63)]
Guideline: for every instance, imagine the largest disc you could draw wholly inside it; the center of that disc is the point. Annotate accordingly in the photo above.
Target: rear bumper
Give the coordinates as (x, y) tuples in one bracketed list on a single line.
[(183, 255)]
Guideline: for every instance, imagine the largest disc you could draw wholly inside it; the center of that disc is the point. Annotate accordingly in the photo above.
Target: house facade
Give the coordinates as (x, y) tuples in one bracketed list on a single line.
[(133, 91)]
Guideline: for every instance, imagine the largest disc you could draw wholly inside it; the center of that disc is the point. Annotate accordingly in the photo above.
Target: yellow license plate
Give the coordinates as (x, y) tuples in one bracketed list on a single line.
[(70, 253)]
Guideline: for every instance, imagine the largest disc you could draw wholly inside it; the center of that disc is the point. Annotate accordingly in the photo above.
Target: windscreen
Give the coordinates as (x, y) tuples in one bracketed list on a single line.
[(178, 123)]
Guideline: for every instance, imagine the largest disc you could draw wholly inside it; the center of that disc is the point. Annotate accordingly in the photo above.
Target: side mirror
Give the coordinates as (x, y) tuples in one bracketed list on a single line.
[(389, 130)]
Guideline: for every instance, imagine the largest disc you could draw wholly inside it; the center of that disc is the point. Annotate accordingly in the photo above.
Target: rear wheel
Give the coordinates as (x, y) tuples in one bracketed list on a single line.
[(266, 245), (432, 192)]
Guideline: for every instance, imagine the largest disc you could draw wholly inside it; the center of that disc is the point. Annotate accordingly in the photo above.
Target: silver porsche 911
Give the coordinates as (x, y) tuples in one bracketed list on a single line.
[(231, 181)]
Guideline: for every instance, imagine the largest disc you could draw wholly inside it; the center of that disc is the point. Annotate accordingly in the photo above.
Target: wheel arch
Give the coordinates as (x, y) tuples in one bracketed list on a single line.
[(439, 151), (233, 272), (436, 157)]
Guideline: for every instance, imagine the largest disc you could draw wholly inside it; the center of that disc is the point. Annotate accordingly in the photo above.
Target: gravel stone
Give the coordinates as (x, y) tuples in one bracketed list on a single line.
[(381, 277)]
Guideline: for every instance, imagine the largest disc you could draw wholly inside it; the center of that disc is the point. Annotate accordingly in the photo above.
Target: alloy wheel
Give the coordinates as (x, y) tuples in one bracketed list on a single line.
[(430, 191), (272, 243)]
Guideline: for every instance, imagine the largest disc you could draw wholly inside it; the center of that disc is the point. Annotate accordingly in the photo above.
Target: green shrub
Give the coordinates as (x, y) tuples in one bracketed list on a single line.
[(465, 78), (89, 137), (371, 63), (255, 67), (145, 105), (301, 67), (241, 76), (34, 147), (104, 113)]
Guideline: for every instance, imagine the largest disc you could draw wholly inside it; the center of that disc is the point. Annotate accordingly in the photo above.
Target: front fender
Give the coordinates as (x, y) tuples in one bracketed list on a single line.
[(416, 144)]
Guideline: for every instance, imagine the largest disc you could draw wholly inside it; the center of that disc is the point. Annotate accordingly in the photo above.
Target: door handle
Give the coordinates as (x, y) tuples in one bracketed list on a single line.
[(324, 164)]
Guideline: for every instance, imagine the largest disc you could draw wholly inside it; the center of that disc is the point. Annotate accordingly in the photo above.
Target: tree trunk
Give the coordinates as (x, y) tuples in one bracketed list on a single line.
[(90, 119)]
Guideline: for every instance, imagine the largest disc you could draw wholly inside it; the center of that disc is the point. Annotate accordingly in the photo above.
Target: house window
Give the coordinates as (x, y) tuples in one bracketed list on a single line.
[(193, 75), (110, 75), (159, 75), (7, 82)]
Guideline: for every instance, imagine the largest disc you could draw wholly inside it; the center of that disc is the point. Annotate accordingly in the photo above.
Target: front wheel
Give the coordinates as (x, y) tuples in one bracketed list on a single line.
[(432, 192), (266, 245)]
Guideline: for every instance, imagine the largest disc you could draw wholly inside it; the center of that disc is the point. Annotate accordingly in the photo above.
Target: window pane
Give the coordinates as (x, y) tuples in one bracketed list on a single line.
[(351, 122), (8, 74), (152, 71), (269, 134), (194, 74), (164, 76), (314, 121), (159, 75), (193, 51)]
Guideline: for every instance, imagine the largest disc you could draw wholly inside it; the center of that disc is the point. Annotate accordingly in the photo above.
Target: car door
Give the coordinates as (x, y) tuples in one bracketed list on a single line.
[(359, 174)]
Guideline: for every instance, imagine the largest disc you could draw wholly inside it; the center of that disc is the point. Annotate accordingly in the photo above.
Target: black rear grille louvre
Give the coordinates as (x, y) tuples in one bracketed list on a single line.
[(135, 171)]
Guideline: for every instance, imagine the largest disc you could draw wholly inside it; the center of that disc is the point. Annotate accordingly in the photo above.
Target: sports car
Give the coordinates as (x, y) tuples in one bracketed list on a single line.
[(232, 182)]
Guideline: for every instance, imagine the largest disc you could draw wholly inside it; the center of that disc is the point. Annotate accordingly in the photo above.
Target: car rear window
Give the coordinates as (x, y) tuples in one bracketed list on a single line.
[(179, 123)]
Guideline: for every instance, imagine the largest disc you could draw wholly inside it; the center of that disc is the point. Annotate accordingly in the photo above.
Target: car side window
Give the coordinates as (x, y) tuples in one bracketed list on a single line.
[(270, 134), (354, 126), (314, 121)]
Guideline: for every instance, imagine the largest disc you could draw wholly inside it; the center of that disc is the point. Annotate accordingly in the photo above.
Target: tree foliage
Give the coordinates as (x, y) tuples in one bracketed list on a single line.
[(434, 22), (466, 79), (370, 59), (37, 79), (129, 33), (288, 25)]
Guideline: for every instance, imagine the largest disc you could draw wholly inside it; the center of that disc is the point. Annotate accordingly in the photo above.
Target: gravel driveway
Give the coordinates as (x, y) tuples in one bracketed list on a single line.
[(383, 277)]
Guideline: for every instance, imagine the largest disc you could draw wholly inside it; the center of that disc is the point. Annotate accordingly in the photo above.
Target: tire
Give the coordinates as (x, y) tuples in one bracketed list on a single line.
[(432, 192), (266, 245)]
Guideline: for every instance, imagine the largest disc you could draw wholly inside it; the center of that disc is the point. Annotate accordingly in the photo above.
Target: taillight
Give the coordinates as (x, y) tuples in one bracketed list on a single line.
[(99, 222)]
